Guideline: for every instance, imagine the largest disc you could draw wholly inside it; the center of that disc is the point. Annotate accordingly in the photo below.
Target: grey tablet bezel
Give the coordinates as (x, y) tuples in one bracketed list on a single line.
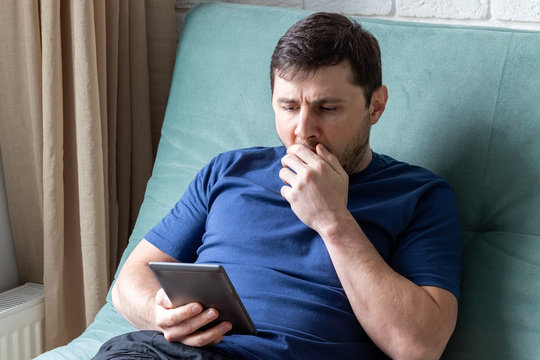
[(208, 285)]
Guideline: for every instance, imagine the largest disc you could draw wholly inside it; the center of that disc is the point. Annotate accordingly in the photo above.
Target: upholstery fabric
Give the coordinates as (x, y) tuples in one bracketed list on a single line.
[(463, 103)]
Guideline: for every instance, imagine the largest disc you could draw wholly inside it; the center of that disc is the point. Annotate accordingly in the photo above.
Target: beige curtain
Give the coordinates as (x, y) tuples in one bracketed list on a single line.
[(83, 90)]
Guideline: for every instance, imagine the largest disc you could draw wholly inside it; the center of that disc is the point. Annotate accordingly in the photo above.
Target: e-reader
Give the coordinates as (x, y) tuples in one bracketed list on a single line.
[(208, 285)]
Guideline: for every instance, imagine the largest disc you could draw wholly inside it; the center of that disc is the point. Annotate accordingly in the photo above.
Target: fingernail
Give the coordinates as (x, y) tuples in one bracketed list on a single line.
[(211, 314)]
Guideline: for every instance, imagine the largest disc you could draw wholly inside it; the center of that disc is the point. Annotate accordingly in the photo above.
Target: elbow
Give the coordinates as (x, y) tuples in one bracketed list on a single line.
[(115, 296), (420, 349), (118, 300), (419, 353)]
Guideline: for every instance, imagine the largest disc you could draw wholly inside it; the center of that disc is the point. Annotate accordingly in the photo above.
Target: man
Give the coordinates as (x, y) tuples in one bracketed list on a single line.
[(337, 252)]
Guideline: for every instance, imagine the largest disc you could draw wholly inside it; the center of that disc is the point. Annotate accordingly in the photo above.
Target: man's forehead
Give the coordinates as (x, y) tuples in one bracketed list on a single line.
[(320, 99), (323, 89), (335, 72)]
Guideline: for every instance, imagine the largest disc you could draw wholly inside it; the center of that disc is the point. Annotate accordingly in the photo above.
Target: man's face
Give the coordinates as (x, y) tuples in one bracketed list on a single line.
[(325, 107)]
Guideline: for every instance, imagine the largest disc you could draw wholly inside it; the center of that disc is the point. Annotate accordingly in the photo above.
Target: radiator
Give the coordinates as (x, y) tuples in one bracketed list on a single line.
[(22, 313)]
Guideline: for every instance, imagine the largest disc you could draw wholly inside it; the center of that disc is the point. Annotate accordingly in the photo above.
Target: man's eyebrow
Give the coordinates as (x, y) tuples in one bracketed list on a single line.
[(326, 100), (317, 101), (283, 100)]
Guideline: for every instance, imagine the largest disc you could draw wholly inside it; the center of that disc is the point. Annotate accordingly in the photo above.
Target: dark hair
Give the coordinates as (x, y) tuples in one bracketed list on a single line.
[(326, 39)]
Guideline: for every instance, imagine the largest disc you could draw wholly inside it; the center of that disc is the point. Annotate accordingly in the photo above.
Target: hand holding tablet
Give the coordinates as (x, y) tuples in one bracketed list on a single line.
[(207, 285)]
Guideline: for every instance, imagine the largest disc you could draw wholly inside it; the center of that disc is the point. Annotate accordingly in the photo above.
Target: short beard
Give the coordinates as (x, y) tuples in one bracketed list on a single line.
[(355, 151)]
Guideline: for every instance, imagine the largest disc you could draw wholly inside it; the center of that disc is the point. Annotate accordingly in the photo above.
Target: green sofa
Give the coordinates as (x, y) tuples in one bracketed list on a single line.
[(464, 103)]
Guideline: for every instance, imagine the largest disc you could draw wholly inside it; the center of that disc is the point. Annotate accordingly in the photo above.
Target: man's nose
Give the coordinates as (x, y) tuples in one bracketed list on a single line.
[(306, 126)]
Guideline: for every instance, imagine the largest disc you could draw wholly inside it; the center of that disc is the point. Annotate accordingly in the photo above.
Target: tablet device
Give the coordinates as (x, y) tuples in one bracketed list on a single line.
[(208, 285)]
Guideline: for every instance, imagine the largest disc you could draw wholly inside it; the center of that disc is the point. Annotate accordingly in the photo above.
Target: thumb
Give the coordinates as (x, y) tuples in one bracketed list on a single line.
[(330, 158), (322, 151), (163, 300)]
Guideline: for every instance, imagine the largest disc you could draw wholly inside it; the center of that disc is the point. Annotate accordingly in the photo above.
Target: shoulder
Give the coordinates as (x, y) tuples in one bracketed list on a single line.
[(387, 165), (389, 179), (385, 169), (251, 153), (240, 163)]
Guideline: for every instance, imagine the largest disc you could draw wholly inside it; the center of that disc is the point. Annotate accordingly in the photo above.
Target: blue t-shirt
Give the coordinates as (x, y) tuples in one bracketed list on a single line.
[(233, 214)]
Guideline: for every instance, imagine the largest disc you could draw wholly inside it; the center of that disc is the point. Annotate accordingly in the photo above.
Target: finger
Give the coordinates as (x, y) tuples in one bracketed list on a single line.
[(166, 318), (211, 336), (190, 325), (317, 159), (286, 192), (303, 152), (287, 175), (330, 158), (293, 162)]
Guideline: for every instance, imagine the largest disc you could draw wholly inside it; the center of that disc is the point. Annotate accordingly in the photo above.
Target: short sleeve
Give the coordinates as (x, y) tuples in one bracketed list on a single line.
[(429, 250), (179, 233)]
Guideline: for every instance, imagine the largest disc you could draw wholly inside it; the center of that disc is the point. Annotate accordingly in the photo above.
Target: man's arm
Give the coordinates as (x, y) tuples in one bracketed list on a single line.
[(404, 320), (138, 296)]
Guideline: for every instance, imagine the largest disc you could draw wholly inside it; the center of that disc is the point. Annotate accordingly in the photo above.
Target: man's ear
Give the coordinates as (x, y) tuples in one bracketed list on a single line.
[(378, 104)]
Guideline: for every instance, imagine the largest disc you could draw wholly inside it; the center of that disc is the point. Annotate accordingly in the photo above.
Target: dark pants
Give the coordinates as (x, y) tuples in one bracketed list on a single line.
[(152, 345)]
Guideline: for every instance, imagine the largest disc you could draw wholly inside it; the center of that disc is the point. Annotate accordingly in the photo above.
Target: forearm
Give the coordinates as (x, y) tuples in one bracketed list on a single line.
[(133, 296), (402, 318), (134, 291)]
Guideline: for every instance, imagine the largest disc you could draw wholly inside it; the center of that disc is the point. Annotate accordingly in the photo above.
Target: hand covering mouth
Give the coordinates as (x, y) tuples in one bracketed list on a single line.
[(310, 146)]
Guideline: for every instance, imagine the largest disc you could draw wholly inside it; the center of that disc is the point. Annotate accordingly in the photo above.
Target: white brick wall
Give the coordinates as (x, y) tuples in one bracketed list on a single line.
[(519, 14), (366, 7), (517, 10), (443, 9)]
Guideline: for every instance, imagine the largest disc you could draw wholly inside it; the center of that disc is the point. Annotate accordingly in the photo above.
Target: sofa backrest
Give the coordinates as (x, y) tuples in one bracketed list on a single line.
[(464, 103)]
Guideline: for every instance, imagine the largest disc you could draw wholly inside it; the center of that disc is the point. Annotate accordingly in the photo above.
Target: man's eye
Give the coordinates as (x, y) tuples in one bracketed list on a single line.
[(289, 108), (328, 108)]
